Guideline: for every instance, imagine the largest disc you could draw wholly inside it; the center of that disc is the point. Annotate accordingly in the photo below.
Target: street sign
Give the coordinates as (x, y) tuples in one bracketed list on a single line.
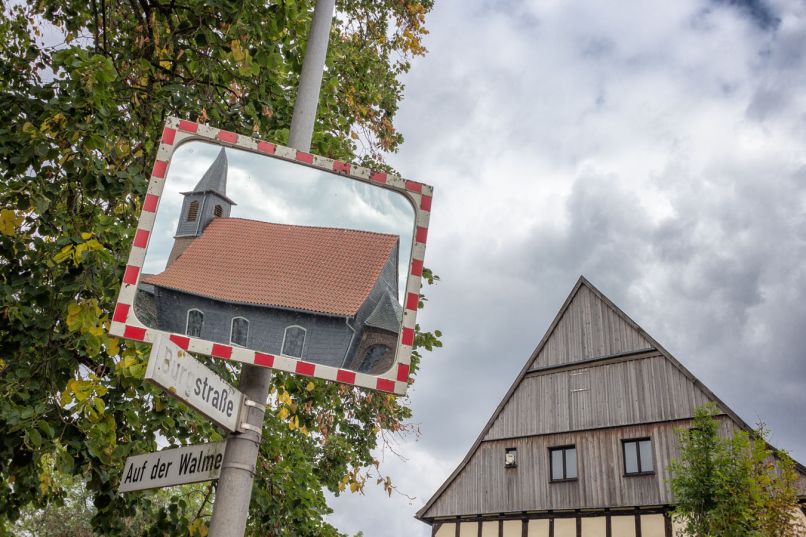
[(257, 253), (190, 381), (179, 466)]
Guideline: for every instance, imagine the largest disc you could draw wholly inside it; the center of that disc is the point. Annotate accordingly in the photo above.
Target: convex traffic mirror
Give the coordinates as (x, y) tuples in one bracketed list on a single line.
[(254, 252)]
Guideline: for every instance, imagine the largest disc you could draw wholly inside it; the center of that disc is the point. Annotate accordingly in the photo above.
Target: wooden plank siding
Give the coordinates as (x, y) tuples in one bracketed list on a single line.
[(636, 391), (486, 487), (589, 328)]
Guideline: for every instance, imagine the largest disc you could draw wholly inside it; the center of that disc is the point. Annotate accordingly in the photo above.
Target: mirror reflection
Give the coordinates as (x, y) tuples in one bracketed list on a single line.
[(253, 251)]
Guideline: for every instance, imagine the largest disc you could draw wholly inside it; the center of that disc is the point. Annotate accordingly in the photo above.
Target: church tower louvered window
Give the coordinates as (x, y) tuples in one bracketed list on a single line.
[(193, 211)]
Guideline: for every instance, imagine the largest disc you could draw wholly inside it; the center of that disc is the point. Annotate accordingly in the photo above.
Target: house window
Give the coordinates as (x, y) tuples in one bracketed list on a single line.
[(193, 211), (218, 211), (294, 341), (563, 463), (510, 457), (637, 456), (239, 331), (373, 356), (194, 323)]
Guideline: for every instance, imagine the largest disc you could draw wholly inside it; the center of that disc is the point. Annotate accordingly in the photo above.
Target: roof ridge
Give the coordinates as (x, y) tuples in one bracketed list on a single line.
[(327, 228)]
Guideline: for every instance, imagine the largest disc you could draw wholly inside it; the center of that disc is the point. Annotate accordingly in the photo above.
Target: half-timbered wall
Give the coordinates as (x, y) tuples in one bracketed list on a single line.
[(610, 523), (616, 524)]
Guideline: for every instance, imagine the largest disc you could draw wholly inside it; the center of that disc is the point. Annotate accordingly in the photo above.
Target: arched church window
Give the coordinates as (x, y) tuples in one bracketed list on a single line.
[(239, 331), (293, 341), (374, 356), (218, 211), (194, 323), (193, 211)]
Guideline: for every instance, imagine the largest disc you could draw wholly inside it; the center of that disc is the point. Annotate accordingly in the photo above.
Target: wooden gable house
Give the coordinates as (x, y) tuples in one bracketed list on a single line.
[(581, 443)]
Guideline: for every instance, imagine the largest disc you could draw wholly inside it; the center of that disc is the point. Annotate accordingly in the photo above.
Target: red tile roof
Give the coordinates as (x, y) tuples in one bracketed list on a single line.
[(322, 270)]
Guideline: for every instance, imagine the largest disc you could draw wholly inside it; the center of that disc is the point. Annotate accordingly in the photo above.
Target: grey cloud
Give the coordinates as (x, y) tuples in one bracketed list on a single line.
[(758, 10), (661, 159)]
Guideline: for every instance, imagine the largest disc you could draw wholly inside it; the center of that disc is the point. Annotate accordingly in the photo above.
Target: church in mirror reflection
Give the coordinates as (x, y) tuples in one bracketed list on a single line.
[(324, 295)]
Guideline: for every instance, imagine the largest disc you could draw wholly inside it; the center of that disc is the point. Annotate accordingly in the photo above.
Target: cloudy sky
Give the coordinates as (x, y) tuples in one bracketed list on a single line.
[(657, 148)]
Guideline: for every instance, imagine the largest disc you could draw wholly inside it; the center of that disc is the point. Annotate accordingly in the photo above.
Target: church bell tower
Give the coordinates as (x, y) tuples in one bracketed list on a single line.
[(207, 200)]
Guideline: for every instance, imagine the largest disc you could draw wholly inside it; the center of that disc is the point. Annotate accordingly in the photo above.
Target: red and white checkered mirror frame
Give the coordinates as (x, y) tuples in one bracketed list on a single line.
[(176, 132)]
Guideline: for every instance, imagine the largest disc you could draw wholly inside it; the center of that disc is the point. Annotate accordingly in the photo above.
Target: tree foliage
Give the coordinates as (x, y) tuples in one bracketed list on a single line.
[(85, 87), (733, 486)]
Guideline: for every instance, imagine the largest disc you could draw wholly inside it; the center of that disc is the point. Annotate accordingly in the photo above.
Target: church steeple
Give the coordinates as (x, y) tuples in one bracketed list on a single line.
[(207, 200), (215, 178)]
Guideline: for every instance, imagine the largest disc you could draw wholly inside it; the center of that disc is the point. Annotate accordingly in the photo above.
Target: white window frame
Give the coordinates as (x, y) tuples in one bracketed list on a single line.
[(305, 337), (232, 330), (187, 321)]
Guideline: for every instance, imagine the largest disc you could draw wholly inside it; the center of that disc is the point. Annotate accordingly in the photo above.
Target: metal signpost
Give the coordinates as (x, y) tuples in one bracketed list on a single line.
[(179, 466), (231, 508), (190, 381)]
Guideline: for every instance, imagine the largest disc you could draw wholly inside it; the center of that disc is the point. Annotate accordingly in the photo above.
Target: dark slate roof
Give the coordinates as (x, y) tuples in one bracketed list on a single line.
[(215, 178), (387, 315), (315, 269)]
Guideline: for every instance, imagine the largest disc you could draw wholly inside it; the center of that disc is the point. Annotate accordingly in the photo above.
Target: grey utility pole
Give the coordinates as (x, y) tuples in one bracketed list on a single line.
[(234, 489)]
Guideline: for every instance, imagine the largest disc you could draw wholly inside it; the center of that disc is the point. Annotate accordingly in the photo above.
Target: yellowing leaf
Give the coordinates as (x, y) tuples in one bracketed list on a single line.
[(127, 362), (310, 387), (64, 254), (96, 331), (85, 247), (237, 52), (86, 236), (65, 399), (73, 314), (9, 220), (283, 413), (112, 346), (84, 317), (44, 483), (82, 389)]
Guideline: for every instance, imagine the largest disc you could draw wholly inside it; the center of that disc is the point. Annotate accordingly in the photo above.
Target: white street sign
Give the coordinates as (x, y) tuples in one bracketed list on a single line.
[(189, 464), (189, 380)]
